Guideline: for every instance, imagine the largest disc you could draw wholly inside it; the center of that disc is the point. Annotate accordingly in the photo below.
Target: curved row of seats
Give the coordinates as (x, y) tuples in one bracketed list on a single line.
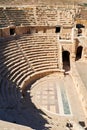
[(26, 55), (21, 58), (39, 15), (20, 16), (11, 60), (42, 48), (46, 15), (3, 20), (9, 94)]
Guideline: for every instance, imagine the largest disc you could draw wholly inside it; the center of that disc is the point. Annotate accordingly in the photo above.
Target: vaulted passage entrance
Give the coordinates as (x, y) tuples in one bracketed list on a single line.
[(79, 52), (12, 31), (58, 29), (66, 60)]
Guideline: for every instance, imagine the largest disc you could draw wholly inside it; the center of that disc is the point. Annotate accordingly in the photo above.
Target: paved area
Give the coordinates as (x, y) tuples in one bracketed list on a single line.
[(82, 70), (58, 95), (52, 96)]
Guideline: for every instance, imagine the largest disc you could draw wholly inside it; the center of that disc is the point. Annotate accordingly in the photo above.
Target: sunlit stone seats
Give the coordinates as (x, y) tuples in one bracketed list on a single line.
[(22, 57)]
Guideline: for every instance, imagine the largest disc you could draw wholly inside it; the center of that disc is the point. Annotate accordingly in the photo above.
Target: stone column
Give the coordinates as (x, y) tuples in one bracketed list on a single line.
[(73, 50), (83, 55), (60, 64)]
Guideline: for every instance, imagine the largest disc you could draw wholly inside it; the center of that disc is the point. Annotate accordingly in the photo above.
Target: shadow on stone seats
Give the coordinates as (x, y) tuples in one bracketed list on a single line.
[(13, 107)]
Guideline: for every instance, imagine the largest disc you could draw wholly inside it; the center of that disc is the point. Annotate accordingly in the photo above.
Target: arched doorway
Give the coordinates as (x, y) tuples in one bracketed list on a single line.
[(66, 60), (79, 52)]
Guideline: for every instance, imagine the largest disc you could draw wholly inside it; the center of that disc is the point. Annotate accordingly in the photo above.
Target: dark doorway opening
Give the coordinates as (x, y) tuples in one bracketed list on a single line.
[(66, 60), (57, 29), (12, 31), (79, 27), (79, 52)]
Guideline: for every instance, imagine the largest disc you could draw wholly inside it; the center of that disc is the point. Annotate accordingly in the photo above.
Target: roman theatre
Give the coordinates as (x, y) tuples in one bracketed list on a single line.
[(43, 65)]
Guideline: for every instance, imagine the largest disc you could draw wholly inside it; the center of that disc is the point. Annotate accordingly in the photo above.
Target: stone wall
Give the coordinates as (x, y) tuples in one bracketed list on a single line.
[(81, 89), (5, 32), (21, 30)]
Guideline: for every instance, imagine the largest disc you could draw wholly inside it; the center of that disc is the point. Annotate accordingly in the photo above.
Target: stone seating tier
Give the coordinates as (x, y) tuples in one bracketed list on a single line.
[(36, 16), (9, 94), (26, 55)]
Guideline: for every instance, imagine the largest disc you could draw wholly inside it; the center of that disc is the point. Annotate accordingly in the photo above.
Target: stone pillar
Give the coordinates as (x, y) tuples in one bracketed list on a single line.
[(73, 50), (72, 35), (60, 64), (83, 54), (83, 32), (60, 57)]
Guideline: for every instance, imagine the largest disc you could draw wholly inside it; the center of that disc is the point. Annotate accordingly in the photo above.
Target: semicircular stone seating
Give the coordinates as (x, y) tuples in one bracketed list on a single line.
[(22, 57), (38, 15)]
